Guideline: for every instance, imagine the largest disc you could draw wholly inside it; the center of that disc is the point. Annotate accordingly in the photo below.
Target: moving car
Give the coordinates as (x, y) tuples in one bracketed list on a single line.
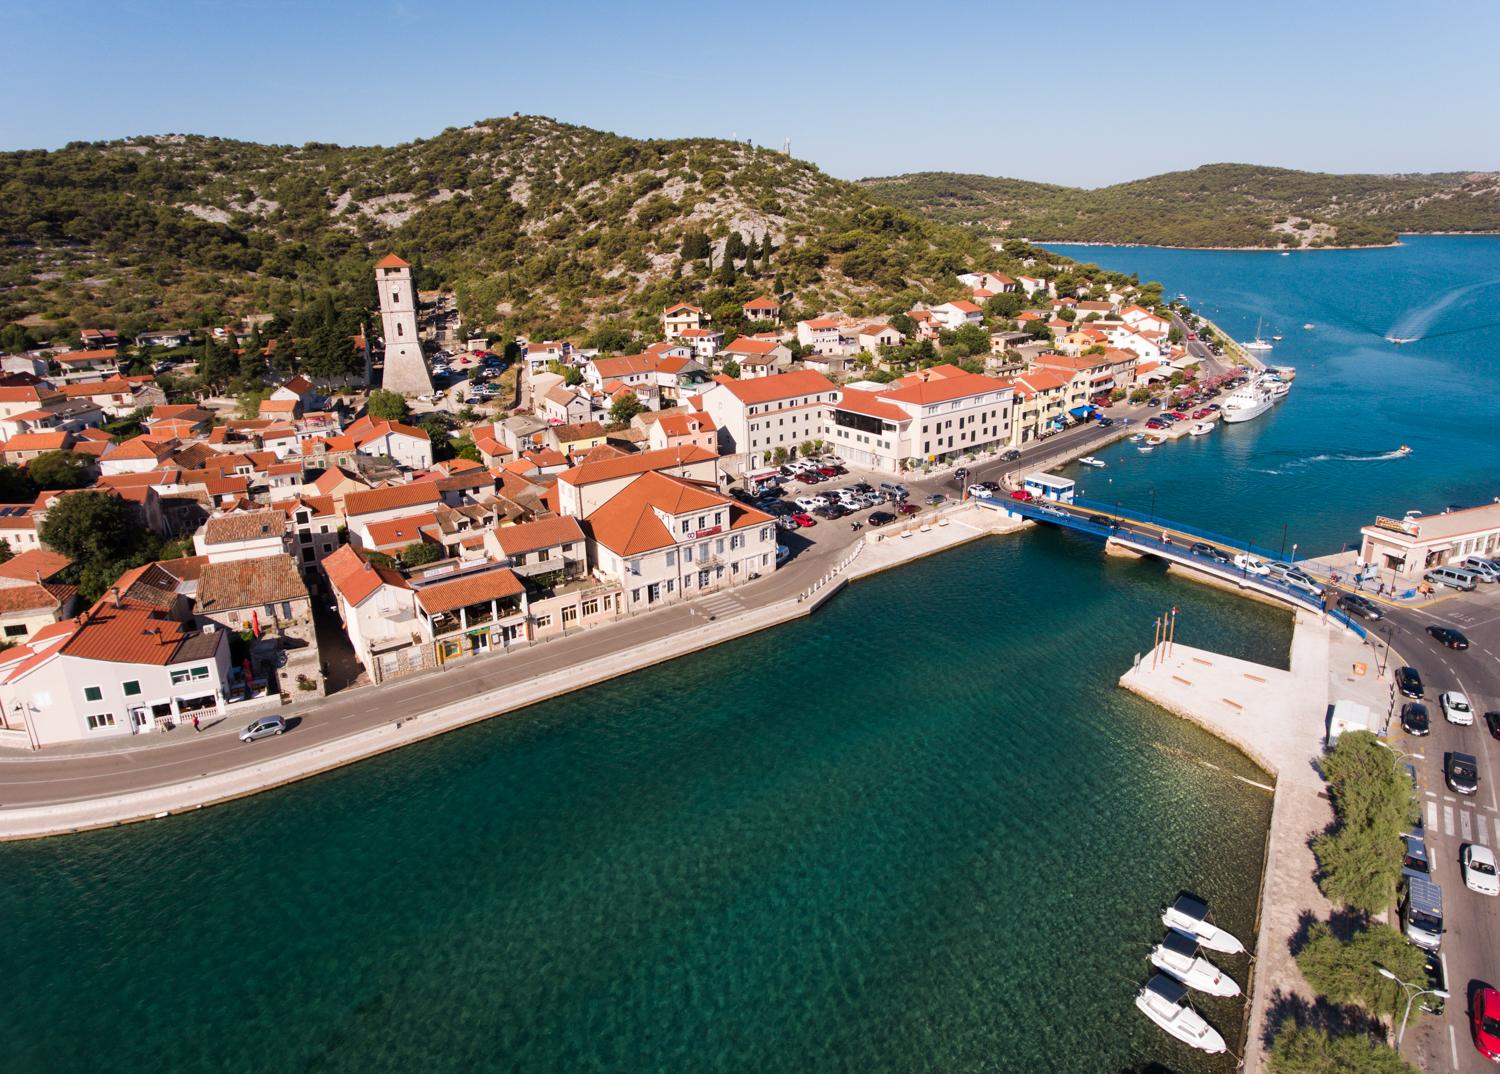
[(1364, 607), (1456, 708), (1453, 639), (1492, 721), (1479, 870), (1487, 1023), (1461, 771), (880, 518), (935, 498), (1409, 682), (908, 509), (1250, 565), (1022, 495), (264, 727), (1208, 551), (1414, 860), (1414, 718)]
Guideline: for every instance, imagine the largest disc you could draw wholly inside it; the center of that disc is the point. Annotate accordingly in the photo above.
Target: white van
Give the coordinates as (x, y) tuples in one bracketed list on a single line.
[(1452, 577), (1483, 568)]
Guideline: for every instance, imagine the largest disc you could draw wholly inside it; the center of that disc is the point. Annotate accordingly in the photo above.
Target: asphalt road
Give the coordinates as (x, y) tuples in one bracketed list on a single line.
[(1472, 941)]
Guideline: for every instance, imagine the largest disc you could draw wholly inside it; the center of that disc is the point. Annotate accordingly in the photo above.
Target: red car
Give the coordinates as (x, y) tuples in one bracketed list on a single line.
[(1021, 494), (828, 471), (1200, 414), (1487, 1024), (804, 520), (908, 509), (1179, 415)]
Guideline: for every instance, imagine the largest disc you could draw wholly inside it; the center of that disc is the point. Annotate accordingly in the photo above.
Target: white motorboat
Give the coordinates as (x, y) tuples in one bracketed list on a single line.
[(1145, 449), (1309, 326), (1398, 340), (1155, 441), (1163, 1000), (1190, 915), (1089, 460), (1201, 428), (1136, 438), (1245, 403), (1177, 954), (1275, 386)]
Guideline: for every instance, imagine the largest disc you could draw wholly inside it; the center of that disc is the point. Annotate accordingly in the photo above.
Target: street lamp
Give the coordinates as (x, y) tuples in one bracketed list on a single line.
[(1412, 992), (1294, 551)]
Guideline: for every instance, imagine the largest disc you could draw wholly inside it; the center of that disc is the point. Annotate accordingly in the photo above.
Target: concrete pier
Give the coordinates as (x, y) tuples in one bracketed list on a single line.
[(1278, 719)]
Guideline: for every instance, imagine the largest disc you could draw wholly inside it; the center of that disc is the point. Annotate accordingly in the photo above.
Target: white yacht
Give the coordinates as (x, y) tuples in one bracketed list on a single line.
[(1275, 386), (1190, 915), (1257, 344), (1161, 999), (1244, 403), (1178, 955), (1089, 460), (1201, 428)]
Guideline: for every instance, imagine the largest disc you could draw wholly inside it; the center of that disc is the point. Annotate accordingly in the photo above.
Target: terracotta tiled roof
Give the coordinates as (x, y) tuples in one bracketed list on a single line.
[(942, 387), (392, 261), (779, 386), (48, 441), (678, 423), (472, 589), (764, 302), (868, 403), (748, 345), (34, 597), (136, 636), (588, 473), (371, 500), (77, 357), (628, 523), (399, 532), (249, 583), (542, 533), (354, 578), (36, 561), (244, 526)]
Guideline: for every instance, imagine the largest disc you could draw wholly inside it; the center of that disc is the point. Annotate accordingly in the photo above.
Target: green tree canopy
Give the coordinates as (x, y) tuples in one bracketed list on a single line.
[(414, 555), (387, 405), (60, 470), (1344, 971), (89, 526), (624, 408), (1299, 1050)]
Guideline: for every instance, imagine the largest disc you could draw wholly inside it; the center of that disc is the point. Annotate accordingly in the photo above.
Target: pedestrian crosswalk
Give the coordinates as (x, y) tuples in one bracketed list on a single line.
[(1469, 826), (720, 604)]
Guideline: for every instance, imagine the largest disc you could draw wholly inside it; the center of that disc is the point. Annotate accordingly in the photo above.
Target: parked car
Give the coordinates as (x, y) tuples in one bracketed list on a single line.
[(1414, 718), (1449, 637), (1456, 708), (787, 522), (1492, 721), (894, 488), (935, 498), (1364, 607), (1479, 870), (1487, 1023), (808, 503), (881, 518), (264, 727), (804, 520), (1409, 682), (1461, 771), (908, 509)]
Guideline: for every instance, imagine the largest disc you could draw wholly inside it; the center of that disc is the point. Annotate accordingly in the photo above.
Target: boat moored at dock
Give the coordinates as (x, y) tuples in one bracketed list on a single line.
[(1178, 955), (1163, 1000), (1189, 915)]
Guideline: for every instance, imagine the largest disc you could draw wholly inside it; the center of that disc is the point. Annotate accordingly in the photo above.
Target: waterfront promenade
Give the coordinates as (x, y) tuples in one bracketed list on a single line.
[(68, 790), (1278, 718)]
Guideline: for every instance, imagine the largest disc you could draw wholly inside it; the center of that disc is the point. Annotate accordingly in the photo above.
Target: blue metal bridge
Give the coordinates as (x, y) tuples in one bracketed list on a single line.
[(1154, 536)]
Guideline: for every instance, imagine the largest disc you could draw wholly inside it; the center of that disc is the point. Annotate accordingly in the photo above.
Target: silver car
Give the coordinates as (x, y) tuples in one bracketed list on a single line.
[(264, 727)]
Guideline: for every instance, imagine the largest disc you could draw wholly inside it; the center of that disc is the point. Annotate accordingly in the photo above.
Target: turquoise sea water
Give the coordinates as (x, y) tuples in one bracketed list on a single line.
[(920, 831), (1319, 464)]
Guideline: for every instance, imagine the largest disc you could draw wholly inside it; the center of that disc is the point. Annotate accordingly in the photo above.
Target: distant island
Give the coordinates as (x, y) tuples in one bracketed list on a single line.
[(1217, 205)]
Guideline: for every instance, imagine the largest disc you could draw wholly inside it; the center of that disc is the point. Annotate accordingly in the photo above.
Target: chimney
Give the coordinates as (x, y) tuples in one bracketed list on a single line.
[(114, 591)]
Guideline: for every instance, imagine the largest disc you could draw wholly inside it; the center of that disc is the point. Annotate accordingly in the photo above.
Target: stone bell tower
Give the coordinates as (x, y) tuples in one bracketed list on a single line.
[(405, 368)]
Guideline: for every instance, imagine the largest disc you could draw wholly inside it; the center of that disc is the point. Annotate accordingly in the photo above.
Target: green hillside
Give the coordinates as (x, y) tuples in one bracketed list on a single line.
[(539, 226), (1215, 205)]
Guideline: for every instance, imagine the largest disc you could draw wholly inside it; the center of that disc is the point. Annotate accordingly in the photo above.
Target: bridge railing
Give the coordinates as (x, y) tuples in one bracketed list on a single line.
[(1169, 524), (1044, 512)]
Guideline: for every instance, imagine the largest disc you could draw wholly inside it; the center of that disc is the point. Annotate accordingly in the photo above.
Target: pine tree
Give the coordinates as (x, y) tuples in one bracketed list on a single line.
[(726, 272)]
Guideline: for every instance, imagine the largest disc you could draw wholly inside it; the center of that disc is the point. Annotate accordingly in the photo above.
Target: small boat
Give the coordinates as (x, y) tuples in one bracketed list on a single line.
[(1398, 340), (1136, 438), (1257, 344), (1286, 253), (1163, 1000), (1089, 460), (1403, 450), (1178, 955), (1145, 448), (1276, 339), (1190, 915), (1199, 428), (1155, 441), (1309, 326)]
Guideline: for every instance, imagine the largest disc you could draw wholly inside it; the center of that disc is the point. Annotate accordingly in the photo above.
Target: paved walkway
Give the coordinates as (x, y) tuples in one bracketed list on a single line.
[(68, 790), (1278, 718)]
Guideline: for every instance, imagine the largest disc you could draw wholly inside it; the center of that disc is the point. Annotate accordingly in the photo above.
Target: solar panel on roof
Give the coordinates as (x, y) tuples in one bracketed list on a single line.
[(1190, 907), (1168, 988), (1180, 944)]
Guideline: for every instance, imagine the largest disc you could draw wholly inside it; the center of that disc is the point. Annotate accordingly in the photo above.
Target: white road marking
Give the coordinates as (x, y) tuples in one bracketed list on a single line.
[(1432, 794), (1453, 1045), (1466, 826), (1481, 829), (1432, 814), (1418, 756), (1448, 819)]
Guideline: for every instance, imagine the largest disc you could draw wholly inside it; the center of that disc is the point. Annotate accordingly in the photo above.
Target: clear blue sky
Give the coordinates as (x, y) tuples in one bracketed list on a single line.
[(1083, 93)]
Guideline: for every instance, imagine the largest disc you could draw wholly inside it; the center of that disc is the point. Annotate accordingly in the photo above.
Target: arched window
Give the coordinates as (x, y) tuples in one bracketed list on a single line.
[(395, 298)]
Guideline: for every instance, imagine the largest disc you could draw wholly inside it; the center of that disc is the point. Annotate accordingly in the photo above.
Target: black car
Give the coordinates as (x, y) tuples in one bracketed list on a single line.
[(1453, 639), (1414, 718), (1102, 520), (1409, 682), (1364, 607), (1492, 721), (1461, 771), (1011, 456), (880, 518), (1208, 551)]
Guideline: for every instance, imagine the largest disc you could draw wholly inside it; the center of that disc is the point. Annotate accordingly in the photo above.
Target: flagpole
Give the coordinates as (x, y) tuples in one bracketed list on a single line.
[(1155, 643), (1172, 636)]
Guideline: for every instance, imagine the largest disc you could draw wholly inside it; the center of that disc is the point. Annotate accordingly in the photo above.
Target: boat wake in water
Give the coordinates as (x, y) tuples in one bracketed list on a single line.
[(1415, 324), (1336, 456)]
